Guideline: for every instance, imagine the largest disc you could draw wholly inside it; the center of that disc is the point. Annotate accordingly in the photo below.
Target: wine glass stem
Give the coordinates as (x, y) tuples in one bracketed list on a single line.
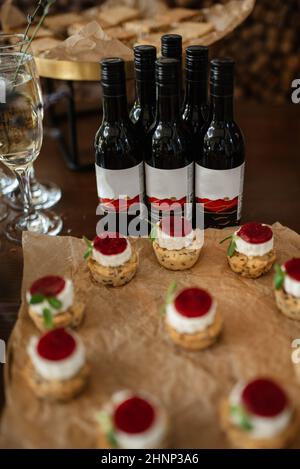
[(23, 176), (32, 175)]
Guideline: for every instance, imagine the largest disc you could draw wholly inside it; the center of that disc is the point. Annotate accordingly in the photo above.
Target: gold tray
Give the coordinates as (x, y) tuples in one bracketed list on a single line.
[(71, 70)]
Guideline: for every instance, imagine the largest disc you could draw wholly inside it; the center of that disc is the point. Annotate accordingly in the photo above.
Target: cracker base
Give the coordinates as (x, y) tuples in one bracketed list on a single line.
[(240, 439), (201, 339), (113, 276), (71, 318), (252, 266), (56, 390), (182, 259), (288, 304)]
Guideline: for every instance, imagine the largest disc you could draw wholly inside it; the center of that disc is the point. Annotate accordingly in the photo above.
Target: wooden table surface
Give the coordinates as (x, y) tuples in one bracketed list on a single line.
[(272, 188)]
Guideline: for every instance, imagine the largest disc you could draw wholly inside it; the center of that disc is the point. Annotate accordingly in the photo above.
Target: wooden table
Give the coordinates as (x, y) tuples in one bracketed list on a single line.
[(272, 189)]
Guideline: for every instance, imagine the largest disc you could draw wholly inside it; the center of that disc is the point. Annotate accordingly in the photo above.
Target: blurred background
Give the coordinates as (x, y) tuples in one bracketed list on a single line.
[(266, 45)]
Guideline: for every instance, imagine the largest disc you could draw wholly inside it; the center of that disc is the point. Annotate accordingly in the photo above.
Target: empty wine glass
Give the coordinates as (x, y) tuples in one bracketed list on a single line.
[(21, 135), (45, 194)]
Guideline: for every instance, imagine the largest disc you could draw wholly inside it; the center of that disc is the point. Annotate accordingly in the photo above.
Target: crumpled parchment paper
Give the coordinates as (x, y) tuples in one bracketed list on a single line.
[(128, 348), (90, 44)]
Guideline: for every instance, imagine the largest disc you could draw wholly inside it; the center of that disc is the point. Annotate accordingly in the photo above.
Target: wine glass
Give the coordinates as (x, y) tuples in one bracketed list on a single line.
[(21, 135), (8, 183), (45, 194)]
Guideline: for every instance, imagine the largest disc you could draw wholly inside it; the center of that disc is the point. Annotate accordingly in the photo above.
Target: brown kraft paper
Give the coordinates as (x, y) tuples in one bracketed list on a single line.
[(127, 345)]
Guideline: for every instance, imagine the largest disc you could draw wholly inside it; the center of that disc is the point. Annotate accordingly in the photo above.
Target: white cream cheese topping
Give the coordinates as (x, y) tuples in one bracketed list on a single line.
[(262, 427), (249, 249), (186, 325), (66, 297), (113, 260), (59, 369), (193, 240), (152, 437)]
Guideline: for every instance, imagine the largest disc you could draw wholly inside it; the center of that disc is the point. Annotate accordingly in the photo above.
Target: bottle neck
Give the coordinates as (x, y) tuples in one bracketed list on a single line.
[(196, 94), (145, 93), (168, 106), (115, 108), (222, 108)]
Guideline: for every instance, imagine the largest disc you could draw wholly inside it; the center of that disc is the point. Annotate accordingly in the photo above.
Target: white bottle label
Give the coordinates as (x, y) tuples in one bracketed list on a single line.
[(120, 188), (220, 190), (165, 187)]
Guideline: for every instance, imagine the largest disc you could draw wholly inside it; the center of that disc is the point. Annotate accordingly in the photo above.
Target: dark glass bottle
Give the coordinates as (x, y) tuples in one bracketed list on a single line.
[(195, 108), (171, 48), (168, 156), (143, 111), (119, 163), (219, 169)]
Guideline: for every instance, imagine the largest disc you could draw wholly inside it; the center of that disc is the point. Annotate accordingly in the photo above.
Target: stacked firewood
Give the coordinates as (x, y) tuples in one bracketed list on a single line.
[(266, 48)]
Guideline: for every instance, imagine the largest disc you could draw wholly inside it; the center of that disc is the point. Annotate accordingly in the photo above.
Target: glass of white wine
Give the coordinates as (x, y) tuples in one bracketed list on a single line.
[(47, 193), (21, 136)]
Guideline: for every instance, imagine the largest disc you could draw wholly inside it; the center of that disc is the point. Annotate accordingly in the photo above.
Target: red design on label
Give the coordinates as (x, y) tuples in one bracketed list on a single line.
[(56, 345), (255, 233), (135, 415), (219, 205), (49, 286), (264, 397), (119, 205), (157, 203), (292, 268), (110, 244), (193, 302)]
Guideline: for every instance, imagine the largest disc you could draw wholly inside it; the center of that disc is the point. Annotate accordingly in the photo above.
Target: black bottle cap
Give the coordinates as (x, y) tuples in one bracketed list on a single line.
[(167, 75), (222, 76), (171, 46), (144, 61), (196, 63), (113, 76)]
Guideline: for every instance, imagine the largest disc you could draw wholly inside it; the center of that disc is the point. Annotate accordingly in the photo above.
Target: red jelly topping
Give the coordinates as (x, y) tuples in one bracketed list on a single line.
[(292, 268), (177, 227), (255, 233), (193, 302), (110, 244), (263, 397), (56, 345), (135, 415), (51, 285)]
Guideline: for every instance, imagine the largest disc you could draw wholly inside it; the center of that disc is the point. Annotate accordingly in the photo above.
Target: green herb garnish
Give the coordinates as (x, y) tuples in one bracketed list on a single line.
[(89, 250), (111, 437), (241, 417), (170, 292), (279, 276), (232, 246), (153, 233), (169, 296), (36, 299), (39, 298), (54, 302), (48, 318), (107, 427)]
